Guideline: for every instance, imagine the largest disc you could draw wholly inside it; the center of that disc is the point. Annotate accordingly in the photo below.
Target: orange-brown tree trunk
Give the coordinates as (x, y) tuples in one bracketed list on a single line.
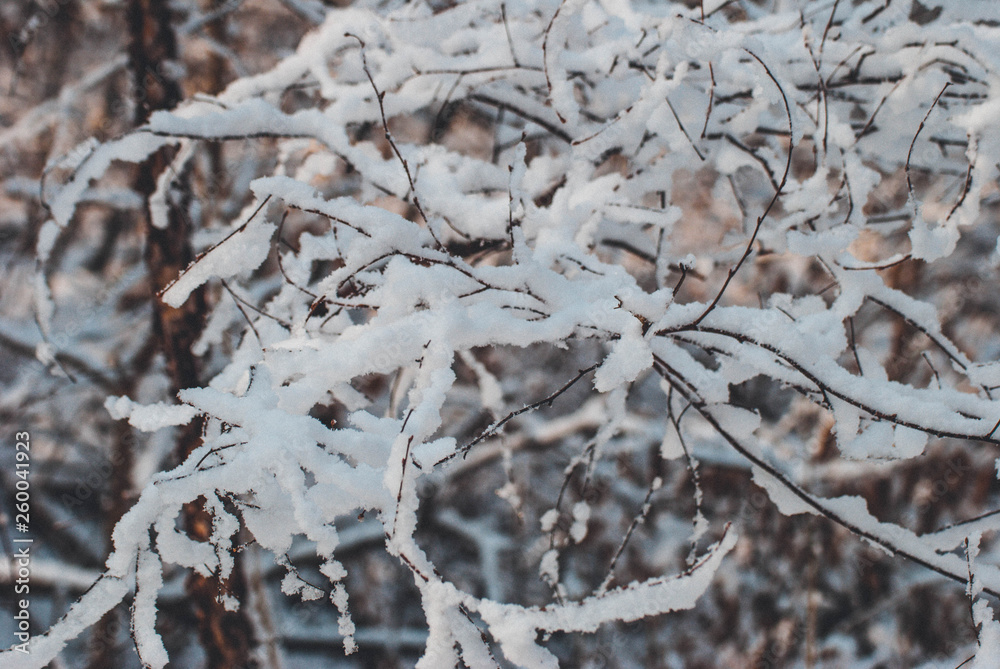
[(226, 636)]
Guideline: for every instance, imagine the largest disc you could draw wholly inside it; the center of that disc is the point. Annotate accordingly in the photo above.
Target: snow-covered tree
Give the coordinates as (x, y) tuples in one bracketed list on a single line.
[(505, 280)]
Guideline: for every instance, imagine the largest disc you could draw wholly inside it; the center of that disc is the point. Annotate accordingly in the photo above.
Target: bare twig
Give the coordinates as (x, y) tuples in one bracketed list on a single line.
[(770, 204), (496, 427)]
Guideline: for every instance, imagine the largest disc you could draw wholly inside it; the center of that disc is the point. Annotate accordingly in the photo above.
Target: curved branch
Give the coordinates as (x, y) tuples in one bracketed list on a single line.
[(931, 560)]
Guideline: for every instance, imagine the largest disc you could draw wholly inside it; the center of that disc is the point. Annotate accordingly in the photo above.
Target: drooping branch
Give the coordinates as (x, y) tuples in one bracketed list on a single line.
[(904, 543)]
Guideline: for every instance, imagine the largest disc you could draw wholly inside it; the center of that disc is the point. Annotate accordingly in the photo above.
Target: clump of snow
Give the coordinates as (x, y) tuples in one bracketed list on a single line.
[(581, 514), (243, 251), (788, 502), (932, 242), (629, 357), (151, 417)]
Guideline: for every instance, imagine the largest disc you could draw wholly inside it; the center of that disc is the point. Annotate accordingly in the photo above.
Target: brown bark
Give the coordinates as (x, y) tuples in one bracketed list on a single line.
[(215, 72), (226, 636), (904, 276)]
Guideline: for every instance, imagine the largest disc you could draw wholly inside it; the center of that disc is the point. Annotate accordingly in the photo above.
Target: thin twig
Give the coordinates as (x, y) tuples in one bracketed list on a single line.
[(854, 347), (380, 97), (909, 153), (770, 204), (495, 427)]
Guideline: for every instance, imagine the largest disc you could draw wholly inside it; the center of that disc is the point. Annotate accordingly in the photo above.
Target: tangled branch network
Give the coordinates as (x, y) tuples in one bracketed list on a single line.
[(376, 242)]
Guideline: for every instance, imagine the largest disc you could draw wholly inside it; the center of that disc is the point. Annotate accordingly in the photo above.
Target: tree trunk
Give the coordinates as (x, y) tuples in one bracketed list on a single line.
[(226, 636)]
